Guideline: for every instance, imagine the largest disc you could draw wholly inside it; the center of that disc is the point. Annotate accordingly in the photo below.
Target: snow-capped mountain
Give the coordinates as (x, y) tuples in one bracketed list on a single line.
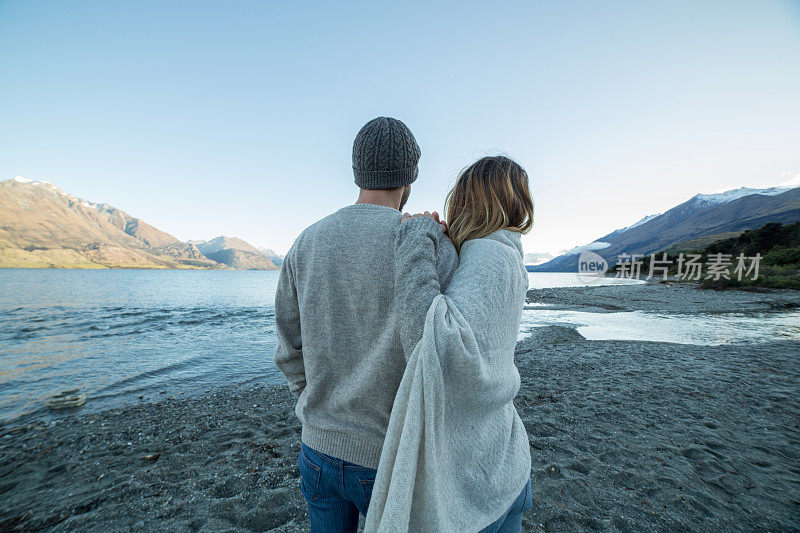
[(735, 194), (46, 185), (648, 218), (536, 258), (700, 216), (710, 199), (592, 246)]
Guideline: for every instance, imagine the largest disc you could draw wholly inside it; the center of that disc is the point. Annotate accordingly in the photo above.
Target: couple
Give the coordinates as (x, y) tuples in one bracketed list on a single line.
[(397, 333)]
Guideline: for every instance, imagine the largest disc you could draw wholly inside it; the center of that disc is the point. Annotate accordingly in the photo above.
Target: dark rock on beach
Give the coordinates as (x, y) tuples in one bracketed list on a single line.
[(546, 336)]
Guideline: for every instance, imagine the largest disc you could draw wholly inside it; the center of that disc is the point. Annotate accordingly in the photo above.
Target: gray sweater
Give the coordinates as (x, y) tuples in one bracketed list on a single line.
[(338, 342)]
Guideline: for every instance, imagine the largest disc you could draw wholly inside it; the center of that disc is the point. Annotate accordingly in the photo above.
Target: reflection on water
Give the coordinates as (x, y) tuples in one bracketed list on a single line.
[(543, 280), (711, 330), (122, 334), (708, 330)]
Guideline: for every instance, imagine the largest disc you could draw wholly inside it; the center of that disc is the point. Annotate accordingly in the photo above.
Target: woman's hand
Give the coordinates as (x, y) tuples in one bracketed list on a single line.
[(433, 216)]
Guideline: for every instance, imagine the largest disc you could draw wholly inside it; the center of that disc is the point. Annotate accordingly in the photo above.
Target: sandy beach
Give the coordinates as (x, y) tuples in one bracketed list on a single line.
[(625, 436)]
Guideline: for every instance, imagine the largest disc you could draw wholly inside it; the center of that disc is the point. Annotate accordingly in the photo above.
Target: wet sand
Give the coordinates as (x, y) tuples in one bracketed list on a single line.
[(625, 436), (643, 436)]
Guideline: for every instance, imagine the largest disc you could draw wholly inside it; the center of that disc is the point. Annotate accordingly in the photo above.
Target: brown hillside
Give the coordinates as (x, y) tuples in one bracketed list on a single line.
[(42, 226)]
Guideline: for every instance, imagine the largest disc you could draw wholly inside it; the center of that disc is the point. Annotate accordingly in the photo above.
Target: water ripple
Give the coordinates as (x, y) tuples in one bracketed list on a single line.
[(120, 334)]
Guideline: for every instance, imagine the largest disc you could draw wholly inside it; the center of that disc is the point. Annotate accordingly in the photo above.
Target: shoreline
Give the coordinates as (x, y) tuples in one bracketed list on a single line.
[(607, 299), (625, 435), (673, 298)]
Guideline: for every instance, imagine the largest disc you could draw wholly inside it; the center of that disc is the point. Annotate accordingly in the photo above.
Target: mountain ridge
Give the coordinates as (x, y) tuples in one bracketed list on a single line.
[(700, 216), (237, 253), (42, 226)]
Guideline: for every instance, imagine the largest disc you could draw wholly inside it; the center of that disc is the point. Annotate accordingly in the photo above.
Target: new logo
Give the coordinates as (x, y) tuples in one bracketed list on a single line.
[(591, 268)]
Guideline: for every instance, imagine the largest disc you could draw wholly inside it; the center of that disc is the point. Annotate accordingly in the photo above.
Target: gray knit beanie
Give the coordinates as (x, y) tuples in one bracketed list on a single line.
[(385, 155)]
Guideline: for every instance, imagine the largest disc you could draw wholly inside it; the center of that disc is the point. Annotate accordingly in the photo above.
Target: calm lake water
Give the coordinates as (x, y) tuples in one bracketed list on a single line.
[(122, 334)]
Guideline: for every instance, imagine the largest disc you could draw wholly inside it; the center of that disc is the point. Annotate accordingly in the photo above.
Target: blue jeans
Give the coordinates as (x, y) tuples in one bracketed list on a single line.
[(337, 491), (511, 522)]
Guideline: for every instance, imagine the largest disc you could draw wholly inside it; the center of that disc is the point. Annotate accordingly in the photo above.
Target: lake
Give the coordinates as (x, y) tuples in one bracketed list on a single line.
[(120, 334), (124, 334)]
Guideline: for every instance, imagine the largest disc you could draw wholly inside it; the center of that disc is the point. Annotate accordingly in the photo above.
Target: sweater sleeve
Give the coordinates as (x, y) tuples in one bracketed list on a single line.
[(416, 280), (446, 260), (289, 350)]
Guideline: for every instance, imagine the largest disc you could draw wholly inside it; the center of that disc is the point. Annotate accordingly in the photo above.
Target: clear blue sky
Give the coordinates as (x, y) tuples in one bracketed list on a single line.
[(237, 118)]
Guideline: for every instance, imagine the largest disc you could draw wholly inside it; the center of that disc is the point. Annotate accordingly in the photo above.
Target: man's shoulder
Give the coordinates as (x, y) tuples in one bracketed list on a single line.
[(365, 215), (310, 230), (325, 222), (306, 236), (358, 217)]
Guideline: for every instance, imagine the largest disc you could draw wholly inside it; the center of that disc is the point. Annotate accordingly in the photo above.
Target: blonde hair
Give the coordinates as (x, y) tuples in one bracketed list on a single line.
[(490, 194)]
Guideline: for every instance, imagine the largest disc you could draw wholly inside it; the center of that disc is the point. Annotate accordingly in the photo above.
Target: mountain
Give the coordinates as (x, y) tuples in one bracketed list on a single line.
[(273, 256), (42, 226), (236, 253), (703, 215), (276, 259), (735, 194), (268, 252), (777, 244), (537, 258), (226, 243)]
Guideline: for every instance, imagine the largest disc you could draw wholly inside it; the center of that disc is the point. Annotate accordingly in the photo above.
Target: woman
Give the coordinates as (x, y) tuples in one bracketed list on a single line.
[(456, 455)]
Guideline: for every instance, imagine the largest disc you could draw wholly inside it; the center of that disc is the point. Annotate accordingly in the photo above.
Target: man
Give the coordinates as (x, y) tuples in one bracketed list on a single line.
[(336, 325)]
